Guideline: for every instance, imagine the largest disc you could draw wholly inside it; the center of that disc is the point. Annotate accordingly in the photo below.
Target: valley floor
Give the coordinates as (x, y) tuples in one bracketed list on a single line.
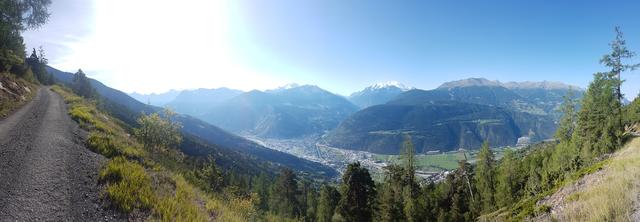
[(45, 171), (610, 194)]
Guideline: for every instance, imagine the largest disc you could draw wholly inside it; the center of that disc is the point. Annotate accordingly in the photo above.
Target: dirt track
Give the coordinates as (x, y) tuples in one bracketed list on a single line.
[(46, 174)]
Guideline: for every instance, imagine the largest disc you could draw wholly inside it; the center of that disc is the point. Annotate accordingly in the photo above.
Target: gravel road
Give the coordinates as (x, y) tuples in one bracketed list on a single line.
[(46, 173)]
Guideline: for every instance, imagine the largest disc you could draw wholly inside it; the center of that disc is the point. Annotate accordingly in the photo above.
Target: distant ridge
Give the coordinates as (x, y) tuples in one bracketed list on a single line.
[(549, 85), (122, 106), (377, 94)]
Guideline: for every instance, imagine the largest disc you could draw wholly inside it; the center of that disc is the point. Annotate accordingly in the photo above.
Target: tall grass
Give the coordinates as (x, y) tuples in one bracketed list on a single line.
[(612, 197)]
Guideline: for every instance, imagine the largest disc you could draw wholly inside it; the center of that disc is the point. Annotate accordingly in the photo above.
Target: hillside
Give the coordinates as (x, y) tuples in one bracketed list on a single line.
[(459, 114), (14, 92), (283, 113), (609, 194), (440, 126), (542, 98), (204, 135)]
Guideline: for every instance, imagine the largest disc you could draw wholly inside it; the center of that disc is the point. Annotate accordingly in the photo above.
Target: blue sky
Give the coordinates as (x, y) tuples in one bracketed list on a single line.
[(342, 46)]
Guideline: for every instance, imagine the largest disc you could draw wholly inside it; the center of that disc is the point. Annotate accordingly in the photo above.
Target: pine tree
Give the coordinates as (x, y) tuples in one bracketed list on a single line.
[(392, 202), (81, 85), (327, 203), (410, 187), (312, 205), (358, 194), (614, 60), (507, 180), (568, 120), (485, 178), (284, 196), (599, 128), (261, 188)]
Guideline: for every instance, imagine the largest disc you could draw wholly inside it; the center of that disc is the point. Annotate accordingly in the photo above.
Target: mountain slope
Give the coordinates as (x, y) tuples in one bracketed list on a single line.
[(283, 113), (198, 101), (127, 109), (377, 94), (439, 126), (535, 97), (460, 114)]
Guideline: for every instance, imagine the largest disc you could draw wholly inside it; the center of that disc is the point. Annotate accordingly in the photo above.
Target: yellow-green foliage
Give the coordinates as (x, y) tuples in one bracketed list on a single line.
[(139, 179), (109, 146), (129, 186), (234, 209), (610, 198), (181, 205)]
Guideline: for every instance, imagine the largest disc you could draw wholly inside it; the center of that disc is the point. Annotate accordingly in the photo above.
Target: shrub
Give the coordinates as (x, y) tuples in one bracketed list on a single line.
[(128, 185)]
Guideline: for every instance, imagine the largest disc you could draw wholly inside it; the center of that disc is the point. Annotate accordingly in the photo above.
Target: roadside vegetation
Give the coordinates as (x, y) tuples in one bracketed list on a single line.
[(20, 75), (137, 177), (14, 92)]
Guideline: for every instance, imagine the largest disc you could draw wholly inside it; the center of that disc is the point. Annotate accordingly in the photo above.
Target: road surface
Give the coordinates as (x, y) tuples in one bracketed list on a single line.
[(46, 173)]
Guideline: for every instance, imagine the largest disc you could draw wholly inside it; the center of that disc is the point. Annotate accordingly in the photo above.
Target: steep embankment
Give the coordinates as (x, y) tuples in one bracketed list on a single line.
[(610, 194), (196, 131), (14, 92), (45, 171)]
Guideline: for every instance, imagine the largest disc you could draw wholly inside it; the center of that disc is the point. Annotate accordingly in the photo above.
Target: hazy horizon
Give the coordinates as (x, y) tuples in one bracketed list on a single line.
[(339, 46)]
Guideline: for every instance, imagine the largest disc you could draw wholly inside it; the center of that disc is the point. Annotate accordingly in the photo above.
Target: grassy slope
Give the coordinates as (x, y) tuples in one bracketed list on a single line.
[(602, 191), (607, 195), (144, 181)]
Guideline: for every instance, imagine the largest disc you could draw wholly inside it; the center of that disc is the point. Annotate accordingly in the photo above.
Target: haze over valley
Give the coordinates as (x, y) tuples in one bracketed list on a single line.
[(319, 111)]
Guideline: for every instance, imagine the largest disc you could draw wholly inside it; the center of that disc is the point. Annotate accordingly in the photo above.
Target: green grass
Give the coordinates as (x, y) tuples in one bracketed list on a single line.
[(129, 186), (431, 162), (612, 197)]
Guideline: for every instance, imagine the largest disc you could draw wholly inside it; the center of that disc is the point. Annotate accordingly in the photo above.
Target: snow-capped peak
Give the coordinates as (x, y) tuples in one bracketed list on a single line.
[(289, 86), (383, 85)]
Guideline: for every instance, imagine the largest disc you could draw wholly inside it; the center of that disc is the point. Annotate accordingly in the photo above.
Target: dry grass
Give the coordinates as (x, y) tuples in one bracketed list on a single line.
[(135, 179), (613, 196)]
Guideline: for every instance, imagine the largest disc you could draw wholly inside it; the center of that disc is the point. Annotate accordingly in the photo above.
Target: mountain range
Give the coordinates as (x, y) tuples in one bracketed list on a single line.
[(377, 94), (459, 114), (201, 138), (156, 99), (282, 113)]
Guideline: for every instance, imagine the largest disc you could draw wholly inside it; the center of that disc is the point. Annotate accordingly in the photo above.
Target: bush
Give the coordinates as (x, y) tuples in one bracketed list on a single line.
[(181, 205), (128, 185)]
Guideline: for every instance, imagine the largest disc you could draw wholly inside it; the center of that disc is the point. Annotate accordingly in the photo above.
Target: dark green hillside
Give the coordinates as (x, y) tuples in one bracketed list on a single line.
[(440, 126), (456, 115)]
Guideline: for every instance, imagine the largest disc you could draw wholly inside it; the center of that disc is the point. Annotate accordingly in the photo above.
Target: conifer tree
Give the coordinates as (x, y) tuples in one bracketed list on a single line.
[(599, 128), (485, 178), (507, 180), (410, 187), (358, 194), (284, 196), (327, 203), (568, 120)]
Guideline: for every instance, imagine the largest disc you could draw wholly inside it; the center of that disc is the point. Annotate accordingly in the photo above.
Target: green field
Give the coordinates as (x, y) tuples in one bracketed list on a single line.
[(431, 162), (438, 162)]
